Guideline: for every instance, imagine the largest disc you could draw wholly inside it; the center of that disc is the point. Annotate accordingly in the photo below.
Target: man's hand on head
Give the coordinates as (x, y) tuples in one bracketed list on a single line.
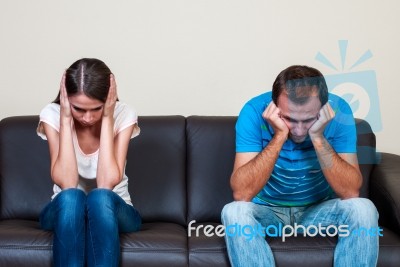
[(272, 115), (326, 114)]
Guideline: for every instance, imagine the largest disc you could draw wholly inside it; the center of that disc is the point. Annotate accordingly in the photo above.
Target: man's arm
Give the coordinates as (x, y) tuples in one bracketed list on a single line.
[(252, 170), (340, 170)]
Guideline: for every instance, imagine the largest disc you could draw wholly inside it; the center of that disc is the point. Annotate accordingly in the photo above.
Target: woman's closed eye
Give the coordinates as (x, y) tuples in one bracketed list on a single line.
[(78, 109), (97, 109)]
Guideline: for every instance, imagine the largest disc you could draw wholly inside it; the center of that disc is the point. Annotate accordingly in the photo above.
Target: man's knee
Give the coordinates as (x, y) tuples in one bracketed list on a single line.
[(361, 209), (237, 211)]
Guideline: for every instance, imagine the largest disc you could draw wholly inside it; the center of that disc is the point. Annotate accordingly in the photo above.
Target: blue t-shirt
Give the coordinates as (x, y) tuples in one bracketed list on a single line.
[(297, 178)]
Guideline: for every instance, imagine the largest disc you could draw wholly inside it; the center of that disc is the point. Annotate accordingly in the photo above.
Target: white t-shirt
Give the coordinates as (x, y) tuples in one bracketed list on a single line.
[(124, 116)]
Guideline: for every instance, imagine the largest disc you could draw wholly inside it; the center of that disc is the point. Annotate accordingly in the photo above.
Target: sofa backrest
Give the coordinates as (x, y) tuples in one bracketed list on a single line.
[(25, 183), (366, 153), (178, 168), (210, 157), (156, 167)]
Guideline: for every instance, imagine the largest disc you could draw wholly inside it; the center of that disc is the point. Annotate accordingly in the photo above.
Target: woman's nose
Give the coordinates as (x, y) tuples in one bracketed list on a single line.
[(87, 117)]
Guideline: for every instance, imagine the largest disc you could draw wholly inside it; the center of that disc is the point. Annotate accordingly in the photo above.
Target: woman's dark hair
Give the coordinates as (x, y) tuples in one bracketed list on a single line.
[(89, 76), (300, 82)]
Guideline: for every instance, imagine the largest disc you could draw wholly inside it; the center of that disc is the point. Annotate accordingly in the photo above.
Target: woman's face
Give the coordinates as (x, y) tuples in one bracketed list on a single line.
[(87, 111)]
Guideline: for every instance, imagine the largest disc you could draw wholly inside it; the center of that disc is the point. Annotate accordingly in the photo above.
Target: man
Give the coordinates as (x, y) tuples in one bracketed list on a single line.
[(296, 163)]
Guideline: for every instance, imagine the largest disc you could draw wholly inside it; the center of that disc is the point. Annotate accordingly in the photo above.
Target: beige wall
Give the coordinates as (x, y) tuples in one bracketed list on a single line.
[(197, 57)]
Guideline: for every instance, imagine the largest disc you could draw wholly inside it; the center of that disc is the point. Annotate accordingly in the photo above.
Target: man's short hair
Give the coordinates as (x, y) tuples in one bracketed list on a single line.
[(300, 83)]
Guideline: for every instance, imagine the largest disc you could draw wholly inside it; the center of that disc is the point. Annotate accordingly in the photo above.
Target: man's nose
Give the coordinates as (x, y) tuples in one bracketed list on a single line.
[(299, 129)]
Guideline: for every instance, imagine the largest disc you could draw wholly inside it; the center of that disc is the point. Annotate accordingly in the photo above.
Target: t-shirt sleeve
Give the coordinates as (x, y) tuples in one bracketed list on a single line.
[(248, 130), (345, 137), (50, 114), (126, 116)]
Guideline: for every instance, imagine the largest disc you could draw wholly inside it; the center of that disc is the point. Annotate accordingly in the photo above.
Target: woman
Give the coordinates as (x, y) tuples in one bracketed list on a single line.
[(88, 131)]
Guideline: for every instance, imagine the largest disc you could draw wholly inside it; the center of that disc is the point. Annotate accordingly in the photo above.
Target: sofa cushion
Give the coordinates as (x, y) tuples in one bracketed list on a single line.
[(206, 250), (156, 244), (23, 243)]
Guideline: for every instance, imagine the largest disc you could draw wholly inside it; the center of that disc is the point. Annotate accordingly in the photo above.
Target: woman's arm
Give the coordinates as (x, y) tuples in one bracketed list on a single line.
[(64, 169), (111, 165), (113, 150)]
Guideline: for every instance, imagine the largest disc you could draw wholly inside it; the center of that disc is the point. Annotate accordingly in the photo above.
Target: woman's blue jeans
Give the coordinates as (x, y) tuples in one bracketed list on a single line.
[(247, 246), (86, 227)]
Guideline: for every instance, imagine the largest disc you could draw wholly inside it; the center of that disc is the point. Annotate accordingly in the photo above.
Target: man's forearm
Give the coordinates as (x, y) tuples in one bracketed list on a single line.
[(344, 178), (250, 178)]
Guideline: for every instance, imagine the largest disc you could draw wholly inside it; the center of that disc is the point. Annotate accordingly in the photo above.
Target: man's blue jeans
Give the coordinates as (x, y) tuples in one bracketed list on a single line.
[(86, 227), (351, 251)]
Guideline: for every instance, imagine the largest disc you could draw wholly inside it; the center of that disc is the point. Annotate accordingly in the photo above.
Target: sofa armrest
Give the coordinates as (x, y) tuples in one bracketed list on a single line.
[(384, 190)]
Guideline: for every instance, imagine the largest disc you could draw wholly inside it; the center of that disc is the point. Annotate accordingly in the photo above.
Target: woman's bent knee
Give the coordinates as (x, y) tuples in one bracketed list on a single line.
[(100, 197), (72, 202), (71, 195)]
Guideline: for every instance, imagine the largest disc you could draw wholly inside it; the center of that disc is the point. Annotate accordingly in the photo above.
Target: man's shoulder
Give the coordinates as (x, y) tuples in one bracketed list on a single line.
[(336, 101), (344, 118), (264, 98), (342, 109), (258, 103), (250, 124)]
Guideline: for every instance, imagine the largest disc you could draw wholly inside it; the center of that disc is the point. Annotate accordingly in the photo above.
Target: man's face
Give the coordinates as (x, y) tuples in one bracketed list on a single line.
[(299, 117)]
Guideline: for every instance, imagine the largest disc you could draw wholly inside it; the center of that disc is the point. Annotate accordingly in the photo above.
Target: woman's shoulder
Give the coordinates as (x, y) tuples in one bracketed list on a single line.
[(123, 110), (125, 116), (51, 109), (50, 114)]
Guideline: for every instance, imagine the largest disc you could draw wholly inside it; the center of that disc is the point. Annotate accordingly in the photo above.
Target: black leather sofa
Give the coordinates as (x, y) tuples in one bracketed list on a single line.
[(179, 171)]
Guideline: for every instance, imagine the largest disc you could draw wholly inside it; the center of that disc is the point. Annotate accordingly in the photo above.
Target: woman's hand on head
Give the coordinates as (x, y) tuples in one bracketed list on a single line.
[(65, 106), (111, 100)]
